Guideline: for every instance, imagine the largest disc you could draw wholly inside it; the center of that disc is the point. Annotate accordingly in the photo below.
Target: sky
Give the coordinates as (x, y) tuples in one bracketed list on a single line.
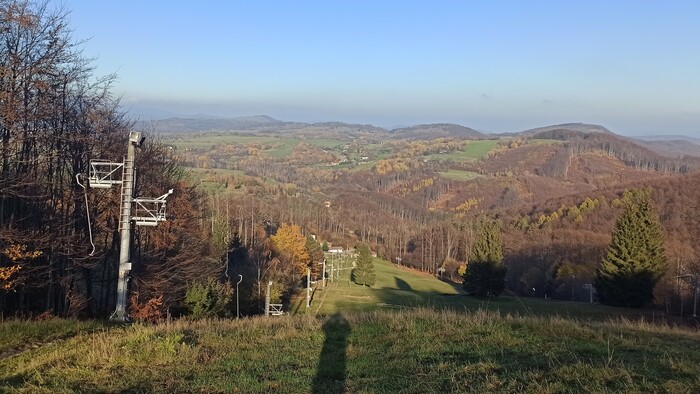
[(496, 66)]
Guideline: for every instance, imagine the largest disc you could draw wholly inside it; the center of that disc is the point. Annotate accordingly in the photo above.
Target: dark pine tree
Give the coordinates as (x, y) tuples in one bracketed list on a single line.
[(363, 274), (635, 259), (485, 275)]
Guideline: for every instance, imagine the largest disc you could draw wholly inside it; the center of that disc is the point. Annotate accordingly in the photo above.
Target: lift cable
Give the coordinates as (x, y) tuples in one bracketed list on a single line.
[(87, 211)]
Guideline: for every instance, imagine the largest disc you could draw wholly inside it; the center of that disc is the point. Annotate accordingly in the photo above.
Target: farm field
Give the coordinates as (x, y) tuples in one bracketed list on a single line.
[(475, 150), (459, 175), (280, 147)]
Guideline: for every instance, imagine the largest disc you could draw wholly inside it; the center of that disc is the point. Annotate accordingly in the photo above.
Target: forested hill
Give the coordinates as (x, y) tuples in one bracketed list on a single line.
[(671, 146), (629, 151), (582, 128), (556, 193), (428, 131)]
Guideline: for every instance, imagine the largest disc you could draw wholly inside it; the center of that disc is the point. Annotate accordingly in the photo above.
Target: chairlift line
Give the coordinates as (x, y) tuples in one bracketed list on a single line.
[(87, 212)]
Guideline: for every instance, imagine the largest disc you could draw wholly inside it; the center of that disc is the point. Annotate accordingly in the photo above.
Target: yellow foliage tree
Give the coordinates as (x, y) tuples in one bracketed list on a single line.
[(15, 253), (290, 244)]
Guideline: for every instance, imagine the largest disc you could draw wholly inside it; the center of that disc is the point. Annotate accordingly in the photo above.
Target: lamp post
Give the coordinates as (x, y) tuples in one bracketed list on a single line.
[(267, 299), (308, 287), (240, 279)]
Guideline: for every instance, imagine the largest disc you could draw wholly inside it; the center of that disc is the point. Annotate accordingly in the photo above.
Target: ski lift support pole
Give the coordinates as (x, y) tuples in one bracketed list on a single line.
[(125, 228)]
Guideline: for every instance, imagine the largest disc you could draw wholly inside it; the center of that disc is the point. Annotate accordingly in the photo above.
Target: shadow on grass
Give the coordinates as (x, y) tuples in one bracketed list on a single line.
[(331, 370), (402, 284)]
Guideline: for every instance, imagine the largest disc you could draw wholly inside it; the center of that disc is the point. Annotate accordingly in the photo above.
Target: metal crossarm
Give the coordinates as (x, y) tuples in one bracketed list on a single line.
[(276, 310), (149, 211), (104, 174)]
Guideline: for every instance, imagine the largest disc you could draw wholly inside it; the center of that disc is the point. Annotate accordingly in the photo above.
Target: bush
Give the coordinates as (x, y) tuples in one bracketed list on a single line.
[(208, 299), (151, 311)]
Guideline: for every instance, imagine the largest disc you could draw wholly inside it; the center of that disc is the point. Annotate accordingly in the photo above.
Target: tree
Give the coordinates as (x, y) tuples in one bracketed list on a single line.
[(363, 274), (485, 275), (290, 244), (635, 259), (208, 298)]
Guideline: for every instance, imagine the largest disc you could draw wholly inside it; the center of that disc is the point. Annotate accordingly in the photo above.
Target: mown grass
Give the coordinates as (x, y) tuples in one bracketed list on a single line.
[(413, 351), (400, 288), (17, 334)]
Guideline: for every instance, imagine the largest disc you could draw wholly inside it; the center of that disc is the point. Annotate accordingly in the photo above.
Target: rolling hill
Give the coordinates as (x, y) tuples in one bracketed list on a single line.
[(671, 146), (436, 130), (668, 146), (209, 124), (583, 128)]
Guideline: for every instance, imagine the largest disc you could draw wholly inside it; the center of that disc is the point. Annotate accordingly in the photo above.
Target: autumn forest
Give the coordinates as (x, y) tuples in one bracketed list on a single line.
[(264, 198)]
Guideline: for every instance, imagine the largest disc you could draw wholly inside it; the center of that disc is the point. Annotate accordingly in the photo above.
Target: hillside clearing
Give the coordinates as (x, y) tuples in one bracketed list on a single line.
[(398, 287)]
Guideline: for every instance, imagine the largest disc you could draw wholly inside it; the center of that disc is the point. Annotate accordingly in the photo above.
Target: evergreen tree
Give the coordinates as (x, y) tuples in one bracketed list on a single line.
[(485, 275), (363, 274), (635, 259)]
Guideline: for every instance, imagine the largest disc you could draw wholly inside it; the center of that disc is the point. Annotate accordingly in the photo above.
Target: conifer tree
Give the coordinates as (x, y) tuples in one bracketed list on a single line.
[(485, 274), (635, 259), (363, 274)]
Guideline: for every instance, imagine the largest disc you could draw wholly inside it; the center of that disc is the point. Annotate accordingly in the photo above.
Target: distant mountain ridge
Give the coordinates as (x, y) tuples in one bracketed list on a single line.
[(204, 124), (435, 130), (668, 146), (671, 145), (583, 128), (668, 138)]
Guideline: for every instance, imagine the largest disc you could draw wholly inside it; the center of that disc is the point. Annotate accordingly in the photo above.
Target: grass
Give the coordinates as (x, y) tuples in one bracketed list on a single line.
[(539, 141), (16, 335), (399, 288), (409, 333), (475, 150), (281, 146), (459, 175), (413, 351), (208, 180)]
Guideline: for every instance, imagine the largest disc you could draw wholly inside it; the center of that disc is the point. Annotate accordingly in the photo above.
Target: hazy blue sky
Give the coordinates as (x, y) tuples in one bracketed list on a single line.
[(632, 66)]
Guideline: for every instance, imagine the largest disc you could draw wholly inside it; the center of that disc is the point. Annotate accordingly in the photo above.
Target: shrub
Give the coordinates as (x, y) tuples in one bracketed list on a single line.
[(151, 310), (208, 299)]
